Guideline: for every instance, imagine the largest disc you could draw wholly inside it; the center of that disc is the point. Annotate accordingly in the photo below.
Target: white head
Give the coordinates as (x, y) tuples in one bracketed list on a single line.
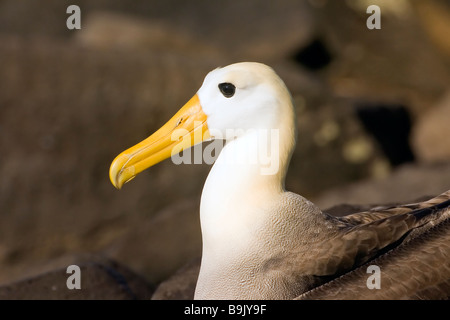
[(244, 96)]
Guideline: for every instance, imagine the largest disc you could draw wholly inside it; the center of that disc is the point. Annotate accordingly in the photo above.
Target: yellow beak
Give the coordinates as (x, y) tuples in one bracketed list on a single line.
[(185, 129)]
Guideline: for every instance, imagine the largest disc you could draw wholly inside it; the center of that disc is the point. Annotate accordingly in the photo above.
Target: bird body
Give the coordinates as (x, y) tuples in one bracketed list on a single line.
[(259, 240)]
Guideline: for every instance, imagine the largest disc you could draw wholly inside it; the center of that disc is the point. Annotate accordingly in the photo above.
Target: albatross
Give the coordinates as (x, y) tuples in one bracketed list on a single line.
[(260, 241)]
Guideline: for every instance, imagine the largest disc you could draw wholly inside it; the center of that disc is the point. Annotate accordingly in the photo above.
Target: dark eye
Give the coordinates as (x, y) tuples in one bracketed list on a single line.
[(227, 89)]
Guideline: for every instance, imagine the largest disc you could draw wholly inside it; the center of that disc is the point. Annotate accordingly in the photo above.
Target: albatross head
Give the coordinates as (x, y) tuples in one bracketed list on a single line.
[(232, 101), (242, 97)]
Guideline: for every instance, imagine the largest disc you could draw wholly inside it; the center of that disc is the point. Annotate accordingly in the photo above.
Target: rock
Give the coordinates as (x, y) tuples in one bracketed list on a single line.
[(359, 70), (345, 209), (61, 136), (159, 246), (110, 31), (101, 279), (406, 184), (243, 30), (434, 16), (180, 286), (390, 125), (333, 147), (432, 131)]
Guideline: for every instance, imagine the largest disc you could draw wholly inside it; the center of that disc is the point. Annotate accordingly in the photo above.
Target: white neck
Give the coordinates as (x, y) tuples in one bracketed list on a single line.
[(240, 183), (233, 211), (237, 196)]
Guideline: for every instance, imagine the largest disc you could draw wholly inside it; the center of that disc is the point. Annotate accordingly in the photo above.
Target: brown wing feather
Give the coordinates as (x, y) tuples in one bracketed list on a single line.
[(419, 269), (384, 212), (356, 244)]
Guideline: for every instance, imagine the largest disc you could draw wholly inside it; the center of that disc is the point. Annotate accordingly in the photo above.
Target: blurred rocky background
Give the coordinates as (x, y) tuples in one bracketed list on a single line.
[(373, 110)]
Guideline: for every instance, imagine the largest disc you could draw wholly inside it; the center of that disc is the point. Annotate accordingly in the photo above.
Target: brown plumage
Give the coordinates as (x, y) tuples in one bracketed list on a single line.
[(412, 250)]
